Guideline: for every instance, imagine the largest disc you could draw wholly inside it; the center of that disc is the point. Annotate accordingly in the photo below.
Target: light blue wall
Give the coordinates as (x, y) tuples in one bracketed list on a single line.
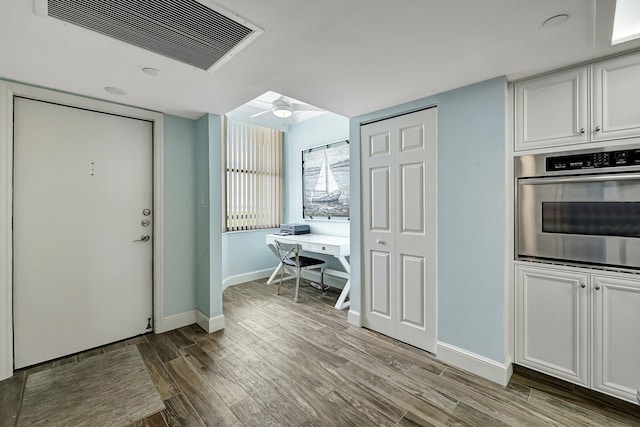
[(321, 130), (179, 214), (246, 252), (202, 214), (471, 214), (471, 218)]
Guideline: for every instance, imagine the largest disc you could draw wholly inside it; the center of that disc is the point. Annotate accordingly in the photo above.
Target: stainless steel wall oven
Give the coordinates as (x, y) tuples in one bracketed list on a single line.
[(580, 207)]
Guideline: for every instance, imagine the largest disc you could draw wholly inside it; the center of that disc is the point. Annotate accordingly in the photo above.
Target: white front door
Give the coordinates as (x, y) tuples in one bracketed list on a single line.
[(82, 270), (399, 227)]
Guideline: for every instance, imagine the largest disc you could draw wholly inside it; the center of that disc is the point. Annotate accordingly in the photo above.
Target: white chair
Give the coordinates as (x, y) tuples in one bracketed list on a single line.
[(290, 257)]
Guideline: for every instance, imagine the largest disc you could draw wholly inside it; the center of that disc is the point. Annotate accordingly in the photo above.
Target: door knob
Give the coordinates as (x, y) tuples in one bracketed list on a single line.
[(143, 238), (597, 128)]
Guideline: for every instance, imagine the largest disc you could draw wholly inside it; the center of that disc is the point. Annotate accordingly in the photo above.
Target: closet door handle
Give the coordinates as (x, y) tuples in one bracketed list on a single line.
[(381, 242)]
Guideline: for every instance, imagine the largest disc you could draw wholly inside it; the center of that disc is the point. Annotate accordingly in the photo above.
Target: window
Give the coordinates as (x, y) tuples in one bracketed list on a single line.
[(254, 177)]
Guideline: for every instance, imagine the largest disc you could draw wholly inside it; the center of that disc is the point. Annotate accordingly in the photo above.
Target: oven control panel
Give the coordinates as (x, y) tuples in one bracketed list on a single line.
[(603, 159)]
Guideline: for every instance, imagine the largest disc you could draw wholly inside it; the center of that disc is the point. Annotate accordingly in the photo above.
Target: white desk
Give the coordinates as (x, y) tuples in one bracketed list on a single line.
[(337, 246)]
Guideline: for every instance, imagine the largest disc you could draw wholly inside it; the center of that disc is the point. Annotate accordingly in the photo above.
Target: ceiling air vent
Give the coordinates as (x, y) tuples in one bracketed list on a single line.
[(198, 33)]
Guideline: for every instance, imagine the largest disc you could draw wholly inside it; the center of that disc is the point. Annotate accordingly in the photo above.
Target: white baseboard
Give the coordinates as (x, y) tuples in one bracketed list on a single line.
[(353, 318), (176, 321), (209, 324), (246, 277), (476, 364)]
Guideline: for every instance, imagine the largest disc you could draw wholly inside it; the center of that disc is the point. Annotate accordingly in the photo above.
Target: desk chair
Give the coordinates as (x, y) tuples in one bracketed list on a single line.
[(290, 257)]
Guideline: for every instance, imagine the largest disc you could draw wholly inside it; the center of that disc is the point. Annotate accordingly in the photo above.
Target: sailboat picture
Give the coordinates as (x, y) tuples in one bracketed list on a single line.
[(326, 189), (325, 172)]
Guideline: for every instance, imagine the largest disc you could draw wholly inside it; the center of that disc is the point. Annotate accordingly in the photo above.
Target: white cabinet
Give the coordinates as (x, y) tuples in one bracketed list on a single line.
[(590, 103), (616, 337), (552, 110), (580, 325), (552, 321), (616, 98)]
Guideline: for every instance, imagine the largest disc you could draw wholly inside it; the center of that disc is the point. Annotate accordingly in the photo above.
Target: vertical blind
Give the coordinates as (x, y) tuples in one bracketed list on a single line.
[(254, 177)]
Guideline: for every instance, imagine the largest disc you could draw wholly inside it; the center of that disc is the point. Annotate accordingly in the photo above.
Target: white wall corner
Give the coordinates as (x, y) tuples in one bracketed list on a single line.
[(479, 365), (176, 321), (209, 324), (6, 260), (353, 318), (509, 283), (246, 277)]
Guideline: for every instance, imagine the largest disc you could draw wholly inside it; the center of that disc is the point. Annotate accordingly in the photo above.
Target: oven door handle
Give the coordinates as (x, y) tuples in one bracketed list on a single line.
[(569, 179)]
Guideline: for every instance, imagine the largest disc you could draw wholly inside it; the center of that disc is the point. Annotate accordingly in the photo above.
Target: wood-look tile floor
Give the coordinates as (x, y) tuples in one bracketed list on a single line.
[(281, 363)]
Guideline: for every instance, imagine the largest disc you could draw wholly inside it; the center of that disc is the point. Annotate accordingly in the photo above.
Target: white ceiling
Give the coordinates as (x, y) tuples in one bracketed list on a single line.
[(349, 57)]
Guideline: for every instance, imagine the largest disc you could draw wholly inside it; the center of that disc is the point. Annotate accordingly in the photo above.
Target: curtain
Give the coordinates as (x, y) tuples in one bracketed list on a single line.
[(254, 177)]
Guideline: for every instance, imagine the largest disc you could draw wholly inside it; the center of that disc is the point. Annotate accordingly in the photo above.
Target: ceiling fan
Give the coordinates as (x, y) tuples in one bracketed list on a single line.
[(283, 109)]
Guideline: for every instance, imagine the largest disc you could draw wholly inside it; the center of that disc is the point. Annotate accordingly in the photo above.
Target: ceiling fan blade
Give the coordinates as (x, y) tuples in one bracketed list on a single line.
[(262, 101), (305, 107), (261, 105), (260, 113)]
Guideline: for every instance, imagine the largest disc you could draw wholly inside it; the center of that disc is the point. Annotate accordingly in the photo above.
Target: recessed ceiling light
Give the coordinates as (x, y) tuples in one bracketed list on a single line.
[(115, 90), (554, 21), (151, 71)]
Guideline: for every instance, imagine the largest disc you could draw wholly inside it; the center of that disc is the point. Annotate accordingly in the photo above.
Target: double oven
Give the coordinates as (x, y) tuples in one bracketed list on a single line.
[(580, 207)]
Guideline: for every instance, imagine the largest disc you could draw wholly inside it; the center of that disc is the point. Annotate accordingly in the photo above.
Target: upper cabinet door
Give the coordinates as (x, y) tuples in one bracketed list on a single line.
[(552, 110), (616, 98)]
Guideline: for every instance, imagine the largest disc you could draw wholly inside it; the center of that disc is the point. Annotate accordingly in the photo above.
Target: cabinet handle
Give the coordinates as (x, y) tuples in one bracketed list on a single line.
[(597, 288), (380, 242), (582, 130), (597, 128), (582, 285)]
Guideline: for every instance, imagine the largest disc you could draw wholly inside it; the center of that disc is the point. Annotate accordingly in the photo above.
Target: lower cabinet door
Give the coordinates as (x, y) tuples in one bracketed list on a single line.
[(552, 333), (616, 337)]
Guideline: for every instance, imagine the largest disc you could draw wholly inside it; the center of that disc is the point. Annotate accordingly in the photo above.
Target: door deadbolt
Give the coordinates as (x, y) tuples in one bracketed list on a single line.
[(143, 238), (146, 212), (145, 222)]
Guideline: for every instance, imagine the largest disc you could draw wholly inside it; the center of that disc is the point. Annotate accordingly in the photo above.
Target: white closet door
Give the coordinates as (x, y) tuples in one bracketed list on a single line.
[(399, 223), (82, 180), (378, 217), (415, 232)]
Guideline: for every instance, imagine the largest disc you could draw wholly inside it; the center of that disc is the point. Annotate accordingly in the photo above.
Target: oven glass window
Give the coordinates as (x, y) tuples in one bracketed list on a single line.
[(592, 218)]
